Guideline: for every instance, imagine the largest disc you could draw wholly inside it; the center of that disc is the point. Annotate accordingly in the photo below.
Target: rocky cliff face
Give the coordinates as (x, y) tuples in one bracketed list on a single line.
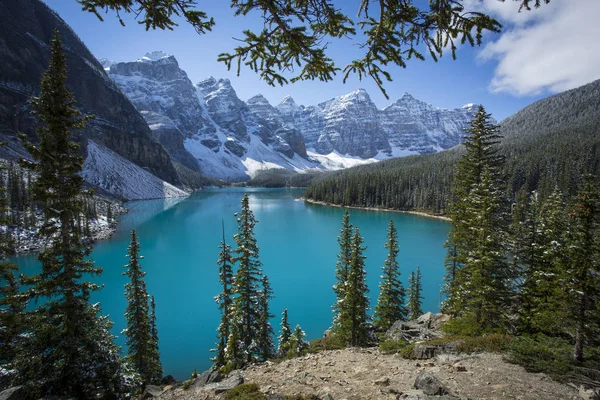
[(26, 27), (210, 127)]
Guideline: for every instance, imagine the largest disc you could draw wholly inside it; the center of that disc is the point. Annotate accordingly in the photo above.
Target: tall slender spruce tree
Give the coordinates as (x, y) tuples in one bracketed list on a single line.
[(69, 350), (224, 299), (158, 370), (247, 280), (415, 290), (286, 333), (354, 322), (342, 266), (581, 275), (390, 303), (141, 348), (479, 294), (266, 347)]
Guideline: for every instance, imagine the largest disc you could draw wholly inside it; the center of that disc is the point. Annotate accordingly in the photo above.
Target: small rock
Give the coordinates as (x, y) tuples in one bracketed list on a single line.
[(168, 387), (429, 384), (429, 364), (459, 367), (13, 393), (152, 391), (326, 397), (210, 376), (383, 381), (227, 384)]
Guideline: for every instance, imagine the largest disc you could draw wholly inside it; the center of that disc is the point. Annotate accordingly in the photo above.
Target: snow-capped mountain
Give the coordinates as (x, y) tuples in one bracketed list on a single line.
[(207, 127)]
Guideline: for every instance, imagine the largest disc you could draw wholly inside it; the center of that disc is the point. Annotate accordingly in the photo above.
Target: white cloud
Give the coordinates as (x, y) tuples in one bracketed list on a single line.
[(554, 48)]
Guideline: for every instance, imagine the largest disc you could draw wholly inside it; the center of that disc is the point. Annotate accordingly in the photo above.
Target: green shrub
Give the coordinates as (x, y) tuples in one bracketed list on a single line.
[(187, 384), (407, 352), (492, 343), (392, 346), (466, 326), (542, 354), (331, 342), (246, 391)]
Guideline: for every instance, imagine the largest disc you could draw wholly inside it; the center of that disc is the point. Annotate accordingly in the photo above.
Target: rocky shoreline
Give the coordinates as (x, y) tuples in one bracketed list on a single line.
[(420, 213)]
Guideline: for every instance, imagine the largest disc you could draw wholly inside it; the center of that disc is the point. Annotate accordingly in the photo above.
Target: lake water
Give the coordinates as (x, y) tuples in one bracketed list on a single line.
[(298, 246)]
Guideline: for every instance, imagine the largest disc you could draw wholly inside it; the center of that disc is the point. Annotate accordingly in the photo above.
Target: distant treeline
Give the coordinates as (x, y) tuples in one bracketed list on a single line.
[(549, 144)]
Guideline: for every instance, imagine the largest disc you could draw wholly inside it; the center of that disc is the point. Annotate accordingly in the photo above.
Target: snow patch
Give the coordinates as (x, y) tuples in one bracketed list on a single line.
[(119, 176)]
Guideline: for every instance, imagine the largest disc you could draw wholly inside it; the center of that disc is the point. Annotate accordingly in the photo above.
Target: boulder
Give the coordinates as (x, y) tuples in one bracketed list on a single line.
[(227, 384), (13, 393), (427, 351), (425, 327), (210, 376), (152, 391), (429, 384)]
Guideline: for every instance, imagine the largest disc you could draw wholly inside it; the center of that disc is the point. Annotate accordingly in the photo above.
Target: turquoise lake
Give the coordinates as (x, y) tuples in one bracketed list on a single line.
[(298, 246)]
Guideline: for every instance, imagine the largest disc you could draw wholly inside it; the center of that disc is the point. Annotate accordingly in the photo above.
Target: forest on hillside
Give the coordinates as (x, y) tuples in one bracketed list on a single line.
[(551, 143)]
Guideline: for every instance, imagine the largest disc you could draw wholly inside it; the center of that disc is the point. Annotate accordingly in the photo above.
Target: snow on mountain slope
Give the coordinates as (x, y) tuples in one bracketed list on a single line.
[(117, 175), (206, 126)]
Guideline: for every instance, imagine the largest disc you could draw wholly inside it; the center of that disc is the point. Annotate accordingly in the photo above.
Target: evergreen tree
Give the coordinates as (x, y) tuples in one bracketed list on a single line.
[(390, 303), (342, 266), (235, 352), (297, 343), (354, 323), (479, 293), (549, 300), (582, 280), (414, 295), (158, 371), (266, 347), (284, 337), (140, 344), (69, 350), (224, 299), (12, 315), (246, 282)]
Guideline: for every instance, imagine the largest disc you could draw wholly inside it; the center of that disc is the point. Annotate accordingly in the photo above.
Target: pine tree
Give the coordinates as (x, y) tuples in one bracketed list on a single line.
[(297, 343), (224, 299), (479, 292), (354, 323), (235, 352), (582, 280), (246, 282), (158, 371), (266, 347), (390, 303), (13, 320), (284, 337), (342, 266), (140, 346), (69, 350), (414, 295)]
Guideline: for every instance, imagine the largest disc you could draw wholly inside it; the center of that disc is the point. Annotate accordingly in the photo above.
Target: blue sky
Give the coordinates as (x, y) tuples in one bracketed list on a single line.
[(539, 53)]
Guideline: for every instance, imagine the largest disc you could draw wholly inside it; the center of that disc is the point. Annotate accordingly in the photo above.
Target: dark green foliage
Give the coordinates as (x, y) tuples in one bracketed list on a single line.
[(296, 33), (69, 350), (479, 290), (13, 319), (342, 267), (392, 346), (224, 299), (332, 341), (390, 303), (582, 282), (554, 356), (551, 143), (298, 344), (414, 295), (246, 391), (279, 177), (284, 337), (353, 322), (264, 339), (141, 348), (158, 371)]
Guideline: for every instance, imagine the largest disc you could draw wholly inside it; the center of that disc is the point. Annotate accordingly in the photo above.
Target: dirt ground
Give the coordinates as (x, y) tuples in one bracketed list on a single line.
[(368, 374)]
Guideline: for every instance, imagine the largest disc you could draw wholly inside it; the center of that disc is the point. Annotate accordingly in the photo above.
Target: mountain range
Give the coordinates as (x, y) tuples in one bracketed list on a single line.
[(149, 117), (231, 139)]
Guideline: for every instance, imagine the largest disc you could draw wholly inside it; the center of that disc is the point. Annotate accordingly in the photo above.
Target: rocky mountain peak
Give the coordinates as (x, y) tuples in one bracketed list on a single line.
[(258, 99), (153, 56)]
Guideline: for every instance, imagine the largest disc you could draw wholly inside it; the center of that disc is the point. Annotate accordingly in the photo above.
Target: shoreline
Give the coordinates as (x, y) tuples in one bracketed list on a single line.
[(419, 213)]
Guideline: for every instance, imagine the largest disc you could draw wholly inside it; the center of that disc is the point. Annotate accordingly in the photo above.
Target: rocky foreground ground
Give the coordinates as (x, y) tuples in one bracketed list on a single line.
[(358, 373)]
